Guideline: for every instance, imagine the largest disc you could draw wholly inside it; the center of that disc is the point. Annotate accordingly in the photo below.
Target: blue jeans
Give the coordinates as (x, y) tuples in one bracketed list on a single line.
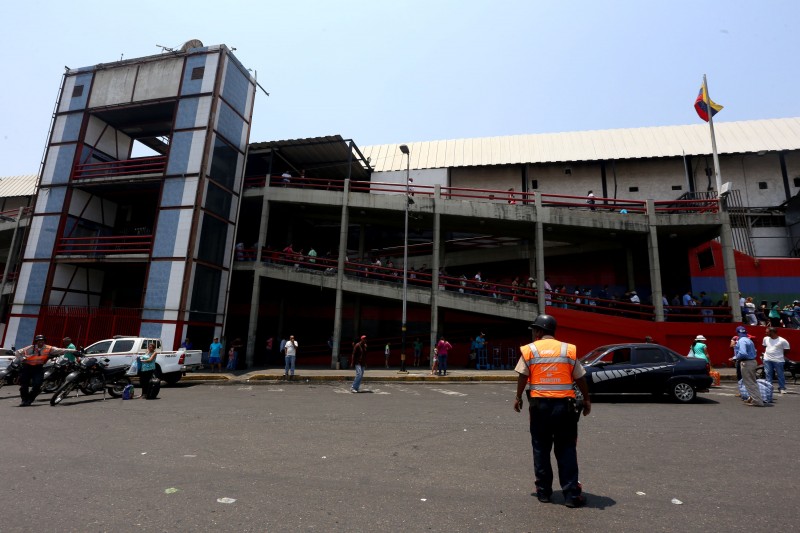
[(442, 364), (774, 366), (359, 375), (289, 363)]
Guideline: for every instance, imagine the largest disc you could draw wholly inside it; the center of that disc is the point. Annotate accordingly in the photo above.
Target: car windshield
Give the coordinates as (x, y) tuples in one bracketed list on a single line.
[(592, 356)]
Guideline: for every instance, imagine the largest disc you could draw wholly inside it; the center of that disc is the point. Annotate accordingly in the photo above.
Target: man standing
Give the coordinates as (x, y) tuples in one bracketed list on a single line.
[(67, 342), (442, 348), (548, 368), (359, 362), (215, 355), (33, 359), (291, 356), (744, 352), (774, 348)]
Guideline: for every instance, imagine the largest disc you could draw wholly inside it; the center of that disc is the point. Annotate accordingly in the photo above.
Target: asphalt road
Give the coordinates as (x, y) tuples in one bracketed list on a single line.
[(403, 457)]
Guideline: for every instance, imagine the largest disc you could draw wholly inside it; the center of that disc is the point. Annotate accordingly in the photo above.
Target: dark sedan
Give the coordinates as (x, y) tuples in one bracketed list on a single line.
[(645, 368)]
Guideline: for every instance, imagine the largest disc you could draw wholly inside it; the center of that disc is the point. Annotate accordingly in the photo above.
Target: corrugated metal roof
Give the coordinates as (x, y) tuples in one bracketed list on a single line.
[(631, 143), (326, 156), (18, 185)]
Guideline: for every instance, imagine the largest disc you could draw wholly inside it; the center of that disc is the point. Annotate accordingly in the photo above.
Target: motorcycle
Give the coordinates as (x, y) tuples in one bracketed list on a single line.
[(10, 374), (789, 367), (56, 372), (93, 375)]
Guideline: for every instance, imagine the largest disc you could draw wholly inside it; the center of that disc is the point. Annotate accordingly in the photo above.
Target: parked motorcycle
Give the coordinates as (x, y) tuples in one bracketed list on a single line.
[(10, 374), (789, 367), (56, 372), (93, 375)]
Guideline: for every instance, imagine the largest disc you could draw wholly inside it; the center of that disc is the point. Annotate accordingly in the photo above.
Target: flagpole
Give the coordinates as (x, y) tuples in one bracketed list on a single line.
[(707, 98)]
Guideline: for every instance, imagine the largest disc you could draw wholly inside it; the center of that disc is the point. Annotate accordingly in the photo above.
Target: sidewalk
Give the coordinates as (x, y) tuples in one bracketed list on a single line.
[(418, 374)]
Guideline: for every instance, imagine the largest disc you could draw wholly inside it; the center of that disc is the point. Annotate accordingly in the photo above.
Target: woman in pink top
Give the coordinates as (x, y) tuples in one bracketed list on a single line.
[(442, 348)]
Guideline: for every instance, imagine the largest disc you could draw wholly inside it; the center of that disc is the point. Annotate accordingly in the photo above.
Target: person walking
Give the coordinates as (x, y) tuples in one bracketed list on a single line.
[(147, 367), (290, 358), (745, 354), (443, 348), (775, 347), (359, 362), (386, 353), (547, 370), (32, 374), (215, 355), (699, 348)]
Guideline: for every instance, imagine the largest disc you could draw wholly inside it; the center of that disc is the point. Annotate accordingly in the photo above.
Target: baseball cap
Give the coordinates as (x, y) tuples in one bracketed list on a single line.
[(741, 331), (363, 337)]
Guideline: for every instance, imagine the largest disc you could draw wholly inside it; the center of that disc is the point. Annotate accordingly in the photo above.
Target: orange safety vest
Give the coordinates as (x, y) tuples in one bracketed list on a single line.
[(38, 357), (550, 363)]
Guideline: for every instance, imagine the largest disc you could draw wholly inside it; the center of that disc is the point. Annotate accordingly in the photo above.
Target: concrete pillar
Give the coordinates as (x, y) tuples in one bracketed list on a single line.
[(539, 245), (655, 265), (729, 266), (255, 297), (436, 255), (344, 222)]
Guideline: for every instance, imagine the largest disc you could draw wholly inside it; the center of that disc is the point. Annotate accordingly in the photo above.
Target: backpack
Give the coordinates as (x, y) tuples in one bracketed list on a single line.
[(127, 392), (155, 388)]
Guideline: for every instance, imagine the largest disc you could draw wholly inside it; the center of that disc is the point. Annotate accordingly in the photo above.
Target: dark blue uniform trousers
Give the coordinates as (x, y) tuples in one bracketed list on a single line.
[(554, 426)]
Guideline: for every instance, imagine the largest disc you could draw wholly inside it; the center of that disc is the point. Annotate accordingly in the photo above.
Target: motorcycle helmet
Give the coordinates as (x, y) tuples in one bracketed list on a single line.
[(38, 338), (546, 323)]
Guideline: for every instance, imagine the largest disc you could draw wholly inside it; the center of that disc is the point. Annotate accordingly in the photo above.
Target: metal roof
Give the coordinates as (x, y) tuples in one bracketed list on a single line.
[(18, 185), (631, 143), (317, 156)]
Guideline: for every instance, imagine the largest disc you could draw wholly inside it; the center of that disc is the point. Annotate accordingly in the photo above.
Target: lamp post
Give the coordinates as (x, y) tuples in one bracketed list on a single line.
[(407, 152)]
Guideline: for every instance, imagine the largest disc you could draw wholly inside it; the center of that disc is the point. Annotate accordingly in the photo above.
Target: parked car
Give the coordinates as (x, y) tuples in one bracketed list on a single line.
[(645, 368)]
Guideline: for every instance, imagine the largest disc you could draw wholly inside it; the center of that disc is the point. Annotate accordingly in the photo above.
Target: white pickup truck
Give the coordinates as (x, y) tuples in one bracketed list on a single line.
[(170, 366)]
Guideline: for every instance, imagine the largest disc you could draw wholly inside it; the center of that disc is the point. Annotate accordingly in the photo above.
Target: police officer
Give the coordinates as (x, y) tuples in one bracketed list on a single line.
[(547, 369), (32, 374)]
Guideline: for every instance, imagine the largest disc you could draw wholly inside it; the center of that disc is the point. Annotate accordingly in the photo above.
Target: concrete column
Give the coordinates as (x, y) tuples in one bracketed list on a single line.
[(655, 265), (255, 297), (539, 247), (729, 266), (436, 255), (344, 222), (631, 282), (12, 258), (252, 325)]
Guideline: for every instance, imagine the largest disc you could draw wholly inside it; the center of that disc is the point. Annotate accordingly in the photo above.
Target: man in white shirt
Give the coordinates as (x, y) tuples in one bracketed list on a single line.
[(774, 348), (291, 355)]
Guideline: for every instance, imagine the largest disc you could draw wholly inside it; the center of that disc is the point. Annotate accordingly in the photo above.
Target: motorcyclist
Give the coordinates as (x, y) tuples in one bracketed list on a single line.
[(33, 359)]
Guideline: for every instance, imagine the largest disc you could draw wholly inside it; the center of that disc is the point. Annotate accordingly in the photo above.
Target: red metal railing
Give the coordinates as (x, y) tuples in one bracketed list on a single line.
[(86, 325), (11, 215), (117, 244), (127, 167)]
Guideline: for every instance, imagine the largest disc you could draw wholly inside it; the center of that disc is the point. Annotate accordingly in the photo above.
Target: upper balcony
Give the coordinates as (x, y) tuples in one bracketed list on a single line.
[(153, 166)]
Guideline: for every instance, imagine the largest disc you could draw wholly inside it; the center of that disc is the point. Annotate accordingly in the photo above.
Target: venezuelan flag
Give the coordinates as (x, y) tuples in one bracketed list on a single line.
[(702, 107)]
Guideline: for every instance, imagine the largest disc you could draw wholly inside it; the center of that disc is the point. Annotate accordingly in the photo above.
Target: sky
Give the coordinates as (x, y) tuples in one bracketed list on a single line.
[(383, 72)]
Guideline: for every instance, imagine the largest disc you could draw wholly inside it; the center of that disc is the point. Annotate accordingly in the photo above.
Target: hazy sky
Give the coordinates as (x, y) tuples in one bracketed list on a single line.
[(384, 72)]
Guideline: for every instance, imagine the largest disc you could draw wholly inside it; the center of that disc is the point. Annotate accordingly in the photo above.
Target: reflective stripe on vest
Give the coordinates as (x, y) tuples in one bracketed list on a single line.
[(550, 376), (38, 358)]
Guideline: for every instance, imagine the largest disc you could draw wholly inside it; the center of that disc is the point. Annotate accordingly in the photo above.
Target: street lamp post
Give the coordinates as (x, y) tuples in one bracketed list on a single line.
[(405, 150)]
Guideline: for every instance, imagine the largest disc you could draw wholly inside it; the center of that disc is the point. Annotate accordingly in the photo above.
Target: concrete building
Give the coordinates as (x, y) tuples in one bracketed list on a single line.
[(199, 233), (125, 240)]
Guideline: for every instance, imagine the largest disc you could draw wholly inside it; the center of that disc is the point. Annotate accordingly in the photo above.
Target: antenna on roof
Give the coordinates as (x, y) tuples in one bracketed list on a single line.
[(165, 48)]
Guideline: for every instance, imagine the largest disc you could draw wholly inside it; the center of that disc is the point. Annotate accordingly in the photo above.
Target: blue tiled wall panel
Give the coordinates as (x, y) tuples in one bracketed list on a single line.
[(179, 152), (166, 232), (157, 286), (150, 329), (230, 125), (187, 113), (235, 87), (26, 330), (55, 199), (34, 292), (190, 86), (172, 195), (46, 238), (79, 102), (71, 130)]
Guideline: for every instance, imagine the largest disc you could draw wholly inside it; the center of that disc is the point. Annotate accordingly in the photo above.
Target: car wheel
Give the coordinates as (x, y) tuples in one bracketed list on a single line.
[(683, 391), (172, 378)]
